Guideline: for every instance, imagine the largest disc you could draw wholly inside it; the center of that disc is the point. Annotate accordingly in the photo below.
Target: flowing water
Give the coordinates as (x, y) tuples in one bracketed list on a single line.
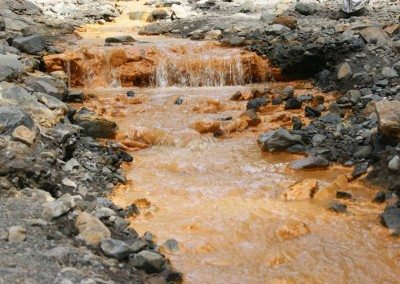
[(220, 196)]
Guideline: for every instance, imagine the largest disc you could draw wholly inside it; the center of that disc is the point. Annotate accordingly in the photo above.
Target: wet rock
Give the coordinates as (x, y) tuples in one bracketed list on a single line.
[(394, 164), (391, 219), (302, 190), (380, 197), (178, 101), (171, 245), (91, 230), (311, 112), (150, 261), (343, 195), (94, 125), (236, 40), (287, 93), (24, 135), (279, 139), (251, 117), (305, 9), (293, 103), (11, 117), (59, 207), (16, 234), (75, 97), (120, 39), (337, 207), (115, 248), (360, 169), (293, 229), (276, 101), (207, 126), (130, 94), (138, 245), (33, 44), (310, 163), (257, 103), (389, 118), (296, 122), (344, 71)]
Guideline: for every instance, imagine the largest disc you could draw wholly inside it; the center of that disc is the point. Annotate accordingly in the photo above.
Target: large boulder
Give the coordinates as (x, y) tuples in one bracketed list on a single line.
[(11, 117), (389, 118), (33, 44), (280, 139)]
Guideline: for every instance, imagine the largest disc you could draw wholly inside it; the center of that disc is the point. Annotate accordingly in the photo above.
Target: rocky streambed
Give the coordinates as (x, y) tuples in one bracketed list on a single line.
[(60, 159)]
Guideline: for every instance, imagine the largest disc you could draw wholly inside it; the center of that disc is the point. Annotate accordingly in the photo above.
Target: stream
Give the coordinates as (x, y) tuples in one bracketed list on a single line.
[(219, 196)]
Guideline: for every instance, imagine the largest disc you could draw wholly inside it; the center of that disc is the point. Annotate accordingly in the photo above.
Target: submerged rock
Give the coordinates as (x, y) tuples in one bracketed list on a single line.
[(119, 39), (302, 190)]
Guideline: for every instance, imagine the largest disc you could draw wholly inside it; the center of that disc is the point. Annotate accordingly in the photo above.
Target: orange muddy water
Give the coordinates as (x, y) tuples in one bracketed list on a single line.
[(219, 196)]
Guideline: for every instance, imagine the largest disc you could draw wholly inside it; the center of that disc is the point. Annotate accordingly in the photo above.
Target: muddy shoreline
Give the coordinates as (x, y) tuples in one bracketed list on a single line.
[(58, 164)]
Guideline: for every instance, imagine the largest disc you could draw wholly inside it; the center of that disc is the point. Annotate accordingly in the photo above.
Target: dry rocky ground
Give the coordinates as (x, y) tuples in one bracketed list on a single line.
[(57, 227)]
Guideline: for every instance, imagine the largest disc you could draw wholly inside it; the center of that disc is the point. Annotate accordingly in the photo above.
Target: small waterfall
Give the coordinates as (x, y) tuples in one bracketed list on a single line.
[(191, 65), (199, 70)]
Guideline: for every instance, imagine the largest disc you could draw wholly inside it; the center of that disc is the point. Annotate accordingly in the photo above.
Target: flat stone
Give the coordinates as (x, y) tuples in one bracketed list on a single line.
[(24, 135), (309, 163)]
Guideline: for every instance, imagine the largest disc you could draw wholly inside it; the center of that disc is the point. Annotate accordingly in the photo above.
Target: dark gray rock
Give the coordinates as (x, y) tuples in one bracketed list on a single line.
[(293, 103), (279, 139), (337, 207), (148, 260), (11, 117), (391, 219), (310, 163), (257, 103), (33, 44), (119, 39), (115, 248)]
